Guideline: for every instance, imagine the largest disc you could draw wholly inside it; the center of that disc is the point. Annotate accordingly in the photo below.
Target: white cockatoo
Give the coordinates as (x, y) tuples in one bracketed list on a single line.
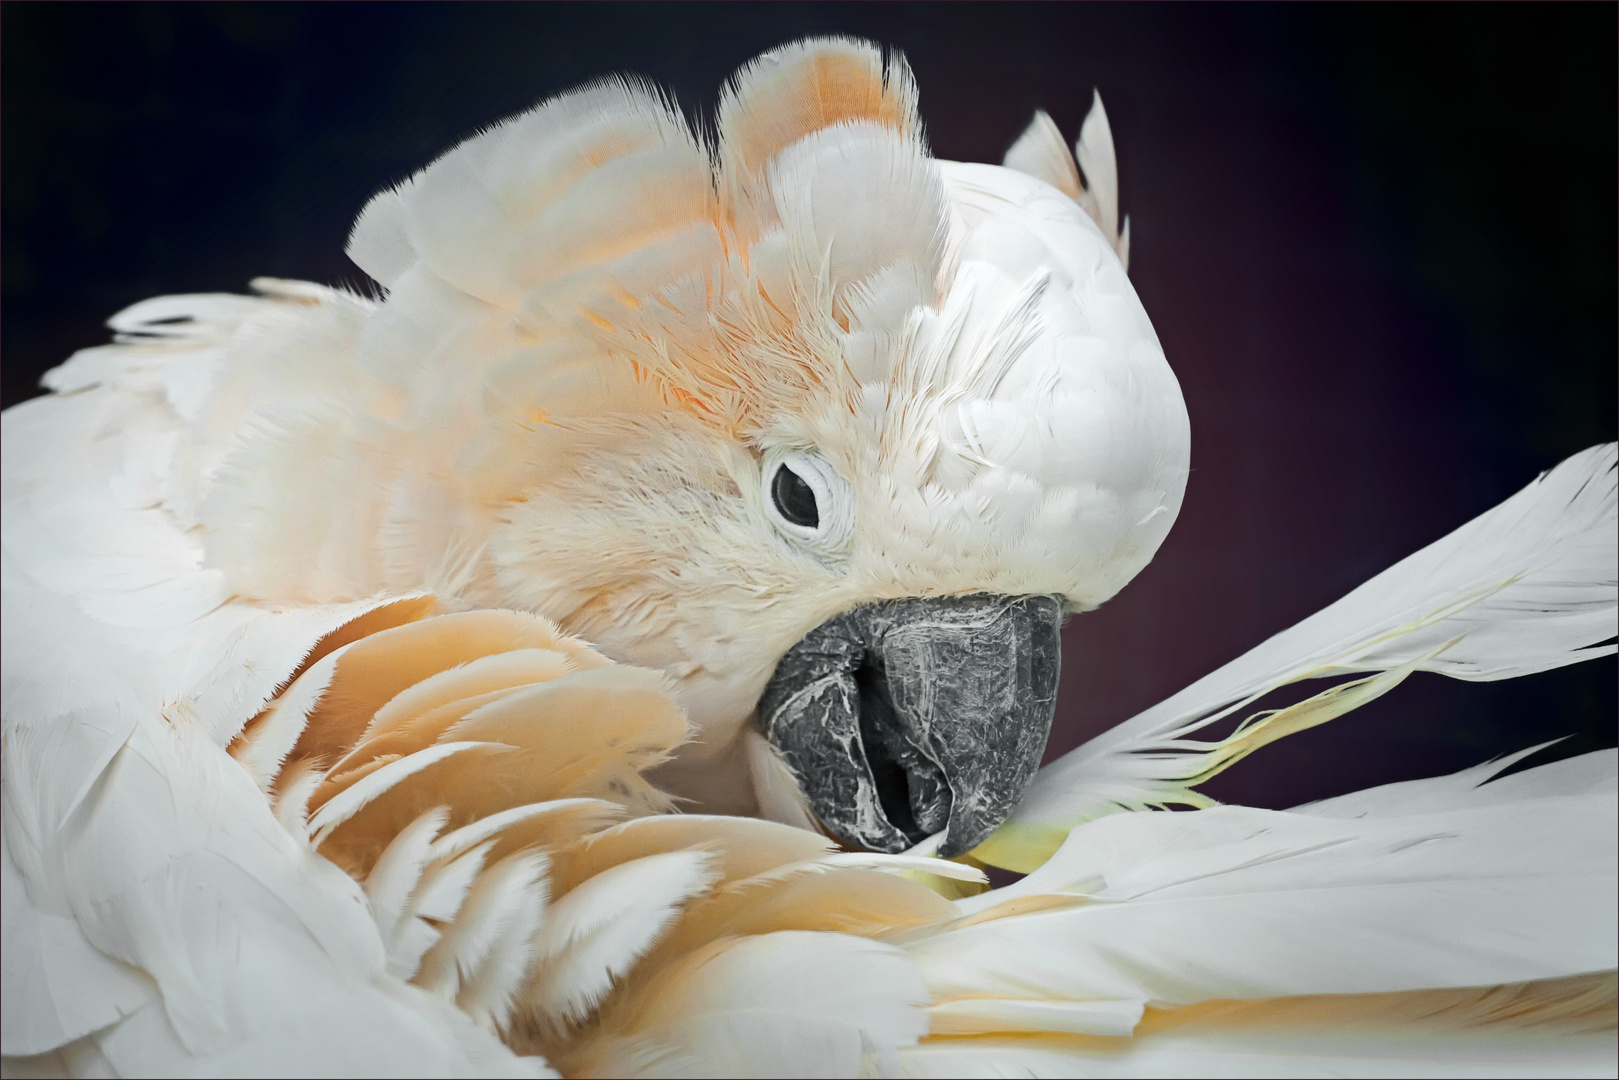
[(359, 652)]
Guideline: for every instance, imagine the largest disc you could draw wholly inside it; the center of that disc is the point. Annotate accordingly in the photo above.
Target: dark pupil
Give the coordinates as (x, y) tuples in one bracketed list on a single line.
[(794, 499)]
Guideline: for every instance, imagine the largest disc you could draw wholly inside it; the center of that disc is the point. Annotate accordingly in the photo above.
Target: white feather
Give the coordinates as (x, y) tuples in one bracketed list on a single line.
[(974, 1016), (1542, 1029), (490, 991), (265, 746), (906, 864), (594, 933), (507, 896), (298, 785), (1319, 1050), (1595, 773), (444, 886), (55, 987), (1041, 152), (398, 870), (176, 868), (1234, 902), (1527, 586), (728, 1012), (454, 843), (1097, 161)]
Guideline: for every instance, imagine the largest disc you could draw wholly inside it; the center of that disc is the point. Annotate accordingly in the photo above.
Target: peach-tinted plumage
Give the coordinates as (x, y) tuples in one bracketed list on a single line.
[(380, 672)]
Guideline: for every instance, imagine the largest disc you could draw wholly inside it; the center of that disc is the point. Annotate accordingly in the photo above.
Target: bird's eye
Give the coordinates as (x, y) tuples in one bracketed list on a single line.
[(794, 498), (808, 500)]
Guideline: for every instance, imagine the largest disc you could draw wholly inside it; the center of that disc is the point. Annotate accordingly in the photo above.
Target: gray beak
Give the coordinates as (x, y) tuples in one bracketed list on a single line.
[(906, 717)]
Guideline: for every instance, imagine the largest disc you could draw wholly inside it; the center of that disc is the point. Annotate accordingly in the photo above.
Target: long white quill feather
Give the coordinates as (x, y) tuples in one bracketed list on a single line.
[(1527, 586)]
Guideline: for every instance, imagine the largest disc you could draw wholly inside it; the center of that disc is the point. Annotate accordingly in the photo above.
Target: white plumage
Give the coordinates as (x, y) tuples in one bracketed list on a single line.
[(1524, 587), (302, 778)]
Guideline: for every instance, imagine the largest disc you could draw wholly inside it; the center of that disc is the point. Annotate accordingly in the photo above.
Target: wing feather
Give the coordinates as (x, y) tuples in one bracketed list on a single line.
[(1527, 586)]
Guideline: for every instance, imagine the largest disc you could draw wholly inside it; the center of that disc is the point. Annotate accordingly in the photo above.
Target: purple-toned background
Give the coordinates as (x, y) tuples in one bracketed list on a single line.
[(1378, 245)]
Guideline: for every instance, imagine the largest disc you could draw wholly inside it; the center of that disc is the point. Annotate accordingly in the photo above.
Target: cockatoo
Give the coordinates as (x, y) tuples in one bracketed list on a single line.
[(828, 431), (358, 651)]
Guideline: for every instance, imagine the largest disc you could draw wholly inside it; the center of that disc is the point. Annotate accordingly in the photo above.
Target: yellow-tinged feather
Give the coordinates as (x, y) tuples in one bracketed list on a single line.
[(1578, 1003), (1024, 846)]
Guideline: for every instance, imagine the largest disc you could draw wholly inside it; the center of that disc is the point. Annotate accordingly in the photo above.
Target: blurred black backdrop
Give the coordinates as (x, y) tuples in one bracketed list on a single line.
[(1378, 243)]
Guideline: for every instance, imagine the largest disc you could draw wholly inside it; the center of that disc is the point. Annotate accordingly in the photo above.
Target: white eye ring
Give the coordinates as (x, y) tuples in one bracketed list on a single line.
[(825, 522)]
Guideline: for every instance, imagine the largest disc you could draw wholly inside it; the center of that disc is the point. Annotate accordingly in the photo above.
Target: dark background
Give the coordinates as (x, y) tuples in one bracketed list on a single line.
[(1378, 245)]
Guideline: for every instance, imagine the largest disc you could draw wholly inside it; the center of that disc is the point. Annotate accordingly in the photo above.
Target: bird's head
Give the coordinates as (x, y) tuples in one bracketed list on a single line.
[(833, 432)]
